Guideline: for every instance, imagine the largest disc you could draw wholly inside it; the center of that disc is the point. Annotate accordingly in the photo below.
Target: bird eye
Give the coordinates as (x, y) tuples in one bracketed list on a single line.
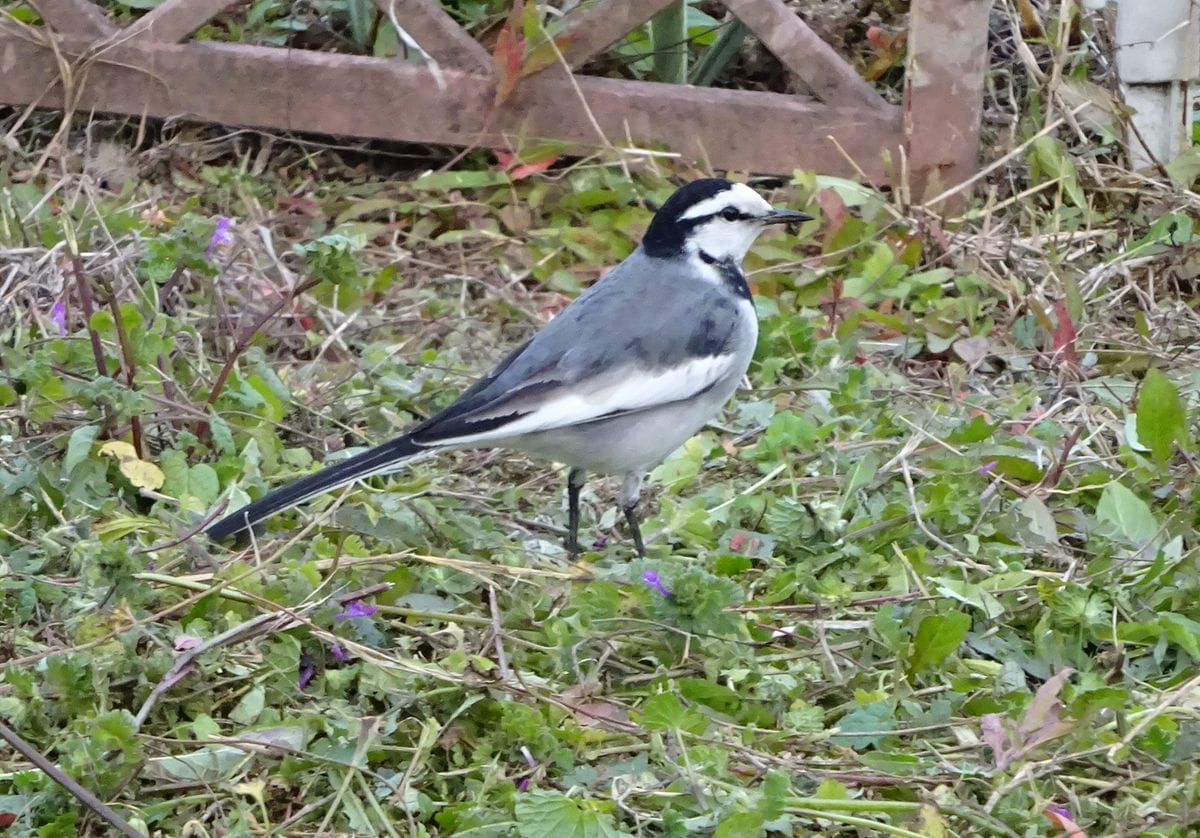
[(730, 214)]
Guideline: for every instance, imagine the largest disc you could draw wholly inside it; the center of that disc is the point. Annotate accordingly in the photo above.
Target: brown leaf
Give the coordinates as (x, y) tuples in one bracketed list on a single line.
[(1043, 710), (833, 207), (601, 713), (992, 728), (972, 350)]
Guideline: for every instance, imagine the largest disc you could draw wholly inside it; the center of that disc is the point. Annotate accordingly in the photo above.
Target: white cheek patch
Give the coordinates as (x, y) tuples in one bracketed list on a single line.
[(722, 239), (739, 196)]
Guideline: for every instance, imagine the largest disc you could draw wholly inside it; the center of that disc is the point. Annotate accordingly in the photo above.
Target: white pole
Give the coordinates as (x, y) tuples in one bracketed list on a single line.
[(1158, 60)]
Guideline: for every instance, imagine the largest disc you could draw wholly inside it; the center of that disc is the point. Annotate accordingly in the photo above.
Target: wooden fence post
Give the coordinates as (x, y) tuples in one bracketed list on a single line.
[(943, 94)]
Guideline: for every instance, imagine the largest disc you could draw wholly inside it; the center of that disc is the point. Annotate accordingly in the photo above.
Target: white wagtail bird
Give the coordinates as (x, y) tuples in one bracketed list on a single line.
[(615, 382)]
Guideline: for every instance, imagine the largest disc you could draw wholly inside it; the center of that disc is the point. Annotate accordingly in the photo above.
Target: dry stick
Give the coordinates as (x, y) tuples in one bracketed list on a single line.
[(89, 308), (263, 623), (248, 335), (98, 806), (169, 388), (498, 636), (165, 289), (187, 534), (128, 360)]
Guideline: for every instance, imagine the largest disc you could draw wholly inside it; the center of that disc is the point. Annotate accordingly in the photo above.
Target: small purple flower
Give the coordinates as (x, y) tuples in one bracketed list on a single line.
[(987, 468), (307, 670), (600, 543), (59, 315), (650, 577), (358, 608), (339, 654), (1061, 811), (222, 236), (523, 785)]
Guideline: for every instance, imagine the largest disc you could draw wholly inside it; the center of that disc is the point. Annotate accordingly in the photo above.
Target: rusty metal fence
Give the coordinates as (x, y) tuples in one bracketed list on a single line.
[(81, 61)]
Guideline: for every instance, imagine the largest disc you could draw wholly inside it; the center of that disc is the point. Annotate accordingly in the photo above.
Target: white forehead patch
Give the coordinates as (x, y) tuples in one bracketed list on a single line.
[(739, 196)]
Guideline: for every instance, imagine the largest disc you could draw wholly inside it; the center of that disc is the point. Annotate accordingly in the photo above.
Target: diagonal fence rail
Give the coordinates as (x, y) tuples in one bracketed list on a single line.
[(80, 60)]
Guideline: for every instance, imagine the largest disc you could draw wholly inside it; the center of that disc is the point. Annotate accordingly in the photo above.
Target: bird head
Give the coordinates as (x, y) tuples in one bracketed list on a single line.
[(712, 218)]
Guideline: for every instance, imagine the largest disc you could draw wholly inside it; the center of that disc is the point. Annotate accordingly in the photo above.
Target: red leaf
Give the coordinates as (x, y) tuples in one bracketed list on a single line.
[(833, 206), (1062, 342), (299, 205), (527, 169), (509, 53)]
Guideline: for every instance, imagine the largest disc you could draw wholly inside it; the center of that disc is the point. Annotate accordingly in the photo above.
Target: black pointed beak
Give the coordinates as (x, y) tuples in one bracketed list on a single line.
[(785, 216)]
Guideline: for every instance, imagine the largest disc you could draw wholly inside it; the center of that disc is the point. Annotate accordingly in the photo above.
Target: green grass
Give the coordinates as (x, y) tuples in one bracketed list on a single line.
[(935, 573)]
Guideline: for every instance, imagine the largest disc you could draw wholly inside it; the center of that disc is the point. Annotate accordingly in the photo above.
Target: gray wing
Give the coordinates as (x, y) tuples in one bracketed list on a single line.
[(647, 334)]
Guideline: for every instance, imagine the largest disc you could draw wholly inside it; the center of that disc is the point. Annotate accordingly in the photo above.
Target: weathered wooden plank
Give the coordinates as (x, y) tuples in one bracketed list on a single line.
[(369, 97), (174, 20), (589, 32), (943, 96), (804, 53), (75, 17), (437, 33)]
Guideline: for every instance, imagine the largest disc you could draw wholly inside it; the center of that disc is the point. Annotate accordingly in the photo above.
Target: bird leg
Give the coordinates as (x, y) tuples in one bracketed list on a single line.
[(575, 480), (634, 530), (631, 491)]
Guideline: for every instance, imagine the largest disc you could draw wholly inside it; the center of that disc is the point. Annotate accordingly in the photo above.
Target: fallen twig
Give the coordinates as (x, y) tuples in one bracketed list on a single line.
[(95, 804), (262, 624), (248, 335)]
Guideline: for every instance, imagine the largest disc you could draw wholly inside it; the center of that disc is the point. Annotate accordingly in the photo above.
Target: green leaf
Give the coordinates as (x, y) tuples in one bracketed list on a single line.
[(740, 825), (212, 764), (860, 475), (937, 636), (896, 764), (1126, 516), (788, 429), (1161, 417), (1042, 525), (1018, 468), (1185, 168), (248, 709), (887, 623), (665, 712), (865, 726), (114, 730), (709, 693), (79, 446), (551, 814), (775, 789), (203, 483), (1183, 631), (977, 430)]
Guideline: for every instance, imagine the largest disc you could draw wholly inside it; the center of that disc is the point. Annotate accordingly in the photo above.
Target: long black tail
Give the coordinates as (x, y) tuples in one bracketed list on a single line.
[(379, 460)]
